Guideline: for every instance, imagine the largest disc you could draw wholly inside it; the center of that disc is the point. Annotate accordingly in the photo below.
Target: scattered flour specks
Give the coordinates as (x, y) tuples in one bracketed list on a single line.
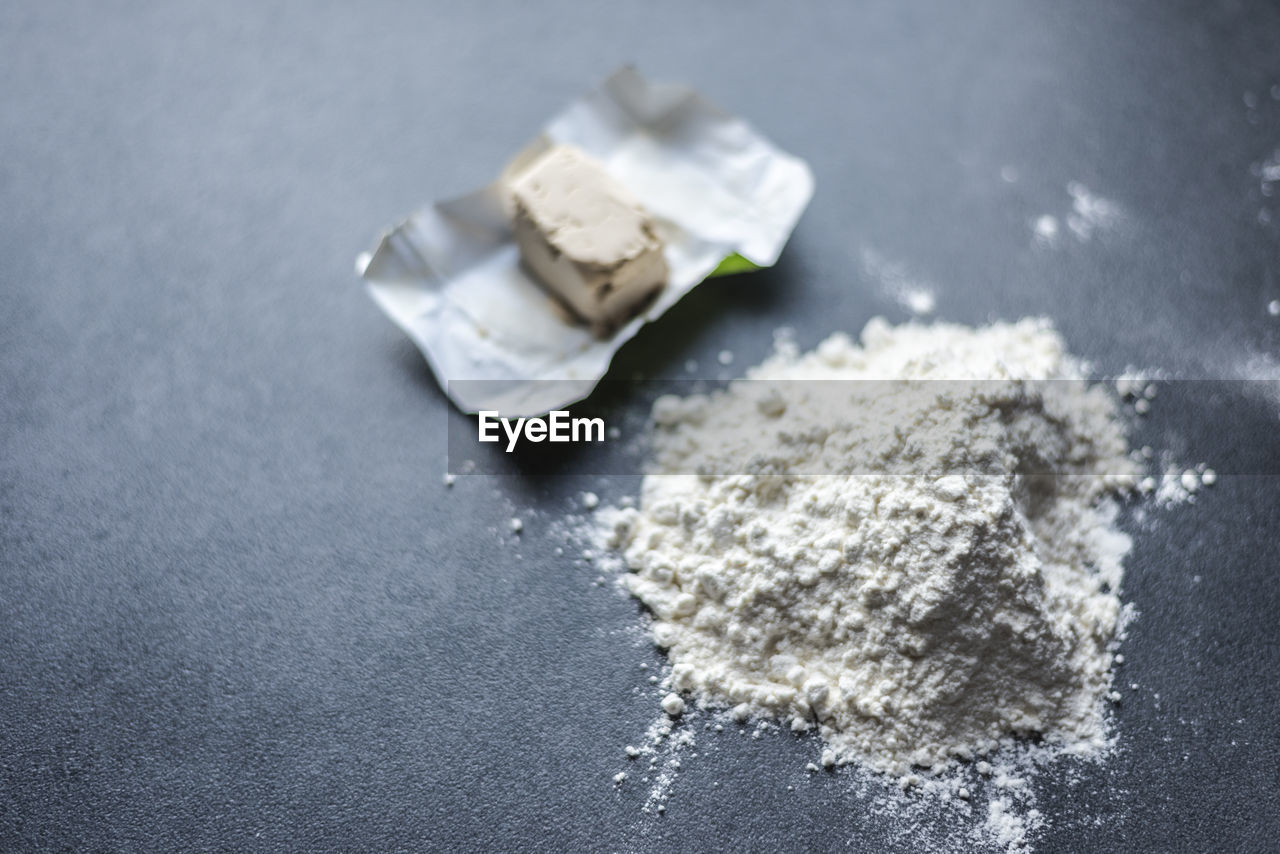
[(915, 295), (1090, 215), (1090, 212)]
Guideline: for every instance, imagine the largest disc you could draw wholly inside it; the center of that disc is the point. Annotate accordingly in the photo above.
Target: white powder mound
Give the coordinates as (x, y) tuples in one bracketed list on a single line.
[(913, 610)]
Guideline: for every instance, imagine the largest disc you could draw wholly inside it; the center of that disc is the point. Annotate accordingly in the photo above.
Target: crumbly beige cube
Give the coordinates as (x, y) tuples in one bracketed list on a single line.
[(586, 238)]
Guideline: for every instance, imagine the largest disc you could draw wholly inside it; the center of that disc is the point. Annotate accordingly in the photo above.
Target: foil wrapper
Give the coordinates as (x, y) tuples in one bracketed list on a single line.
[(724, 199)]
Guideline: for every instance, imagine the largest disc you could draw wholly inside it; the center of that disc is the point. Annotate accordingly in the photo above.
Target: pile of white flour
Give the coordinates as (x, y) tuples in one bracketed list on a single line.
[(921, 576)]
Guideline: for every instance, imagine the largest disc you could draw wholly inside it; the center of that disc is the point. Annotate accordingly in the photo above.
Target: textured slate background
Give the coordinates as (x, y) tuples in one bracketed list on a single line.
[(238, 611)]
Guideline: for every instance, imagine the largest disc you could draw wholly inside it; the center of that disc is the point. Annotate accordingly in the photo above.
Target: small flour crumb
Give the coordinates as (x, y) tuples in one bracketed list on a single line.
[(920, 301), (673, 705), (516, 525), (1177, 487), (590, 500), (449, 479), (725, 357), (1007, 826)]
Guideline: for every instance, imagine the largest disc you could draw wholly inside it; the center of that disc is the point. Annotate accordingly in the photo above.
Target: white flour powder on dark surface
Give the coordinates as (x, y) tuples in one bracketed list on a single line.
[(859, 571)]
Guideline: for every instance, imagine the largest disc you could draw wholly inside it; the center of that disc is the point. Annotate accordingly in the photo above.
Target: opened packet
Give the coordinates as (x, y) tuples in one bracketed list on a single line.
[(724, 199)]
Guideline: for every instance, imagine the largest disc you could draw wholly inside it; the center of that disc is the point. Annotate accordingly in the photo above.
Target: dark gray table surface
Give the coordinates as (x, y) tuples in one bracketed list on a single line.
[(238, 609)]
